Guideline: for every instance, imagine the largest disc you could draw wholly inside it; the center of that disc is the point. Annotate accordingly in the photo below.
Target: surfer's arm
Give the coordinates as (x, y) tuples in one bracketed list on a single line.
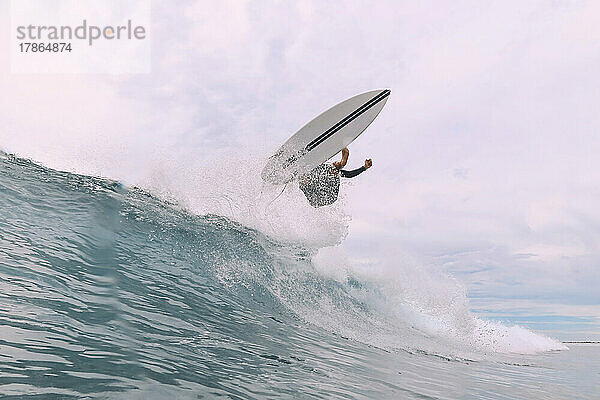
[(342, 163), (358, 171), (353, 173)]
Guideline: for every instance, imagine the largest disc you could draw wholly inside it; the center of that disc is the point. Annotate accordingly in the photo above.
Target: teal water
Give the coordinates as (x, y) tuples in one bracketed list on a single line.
[(109, 292)]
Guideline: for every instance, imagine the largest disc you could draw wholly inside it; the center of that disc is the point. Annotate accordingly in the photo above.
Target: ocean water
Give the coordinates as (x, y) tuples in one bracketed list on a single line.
[(116, 292)]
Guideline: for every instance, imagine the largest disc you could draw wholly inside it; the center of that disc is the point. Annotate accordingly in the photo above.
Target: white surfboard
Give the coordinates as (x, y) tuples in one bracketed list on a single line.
[(324, 136)]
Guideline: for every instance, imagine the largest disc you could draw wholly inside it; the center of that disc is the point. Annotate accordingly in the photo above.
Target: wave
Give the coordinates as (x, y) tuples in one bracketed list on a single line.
[(191, 260)]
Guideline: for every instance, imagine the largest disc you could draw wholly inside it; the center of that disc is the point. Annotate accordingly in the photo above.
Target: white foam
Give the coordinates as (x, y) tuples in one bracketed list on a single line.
[(233, 188), (416, 307)]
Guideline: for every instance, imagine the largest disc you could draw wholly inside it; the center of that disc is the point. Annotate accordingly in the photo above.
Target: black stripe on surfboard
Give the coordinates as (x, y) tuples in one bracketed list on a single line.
[(346, 120)]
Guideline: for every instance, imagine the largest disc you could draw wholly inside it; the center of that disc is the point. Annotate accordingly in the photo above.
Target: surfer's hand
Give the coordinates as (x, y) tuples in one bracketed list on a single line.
[(303, 182), (368, 163), (345, 152)]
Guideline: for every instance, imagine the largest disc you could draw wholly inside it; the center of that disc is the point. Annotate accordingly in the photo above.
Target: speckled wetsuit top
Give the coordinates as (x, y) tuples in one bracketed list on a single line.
[(322, 184)]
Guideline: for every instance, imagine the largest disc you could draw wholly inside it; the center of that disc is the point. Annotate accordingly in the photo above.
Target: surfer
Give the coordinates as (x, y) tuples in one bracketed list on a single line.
[(321, 185)]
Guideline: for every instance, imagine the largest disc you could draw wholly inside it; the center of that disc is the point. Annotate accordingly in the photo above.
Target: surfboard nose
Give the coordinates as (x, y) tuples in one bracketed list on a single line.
[(382, 93)]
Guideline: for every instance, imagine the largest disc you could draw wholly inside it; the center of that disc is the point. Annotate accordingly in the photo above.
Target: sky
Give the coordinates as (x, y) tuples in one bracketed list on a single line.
[(485, 155)]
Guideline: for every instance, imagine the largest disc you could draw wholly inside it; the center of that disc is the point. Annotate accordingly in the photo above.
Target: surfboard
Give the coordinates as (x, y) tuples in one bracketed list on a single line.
[(324, 136)]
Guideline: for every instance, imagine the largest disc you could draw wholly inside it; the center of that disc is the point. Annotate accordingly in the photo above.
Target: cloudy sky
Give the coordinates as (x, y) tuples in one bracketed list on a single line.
[(485, 156)]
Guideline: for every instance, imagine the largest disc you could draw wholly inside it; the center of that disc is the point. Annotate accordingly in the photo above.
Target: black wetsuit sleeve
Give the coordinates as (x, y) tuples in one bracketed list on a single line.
[(353, 173)]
